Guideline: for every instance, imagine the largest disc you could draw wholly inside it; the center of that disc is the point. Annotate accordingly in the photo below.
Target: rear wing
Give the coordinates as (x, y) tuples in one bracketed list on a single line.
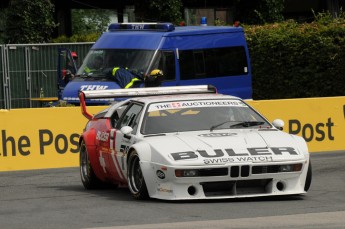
[(140, 92)]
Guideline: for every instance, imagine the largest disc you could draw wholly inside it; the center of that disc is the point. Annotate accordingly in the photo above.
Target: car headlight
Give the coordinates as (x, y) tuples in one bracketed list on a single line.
[(290, 168), (186, 173), (277, 168)]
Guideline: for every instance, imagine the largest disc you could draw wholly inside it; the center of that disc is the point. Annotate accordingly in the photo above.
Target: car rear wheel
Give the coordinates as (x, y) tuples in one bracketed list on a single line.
[(308, 179), (88, 177), (136, 182)]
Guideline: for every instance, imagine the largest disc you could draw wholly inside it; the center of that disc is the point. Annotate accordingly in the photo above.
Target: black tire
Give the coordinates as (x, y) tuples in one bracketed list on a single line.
[(308, 178), (136, 182), (88, 177)]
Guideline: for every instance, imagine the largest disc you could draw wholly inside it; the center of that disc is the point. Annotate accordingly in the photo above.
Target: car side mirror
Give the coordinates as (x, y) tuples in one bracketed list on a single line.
[(126, 131), (278, 123)]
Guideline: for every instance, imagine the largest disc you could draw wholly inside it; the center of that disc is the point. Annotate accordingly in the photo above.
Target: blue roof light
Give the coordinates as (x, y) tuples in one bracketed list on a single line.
[(163, 27), (203, 21)]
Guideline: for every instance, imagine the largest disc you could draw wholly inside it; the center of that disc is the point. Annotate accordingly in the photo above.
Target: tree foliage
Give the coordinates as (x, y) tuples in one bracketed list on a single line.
[(87, 21), (29, 21), (259, 11), (2, 24), (159, 11)]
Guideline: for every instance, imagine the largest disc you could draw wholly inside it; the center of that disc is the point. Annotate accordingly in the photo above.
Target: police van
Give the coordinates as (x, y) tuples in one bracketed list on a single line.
[(187, 55)]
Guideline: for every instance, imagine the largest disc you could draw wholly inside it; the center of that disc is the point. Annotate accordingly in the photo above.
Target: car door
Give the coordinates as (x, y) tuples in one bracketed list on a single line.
[(130, 117), (112, 165)]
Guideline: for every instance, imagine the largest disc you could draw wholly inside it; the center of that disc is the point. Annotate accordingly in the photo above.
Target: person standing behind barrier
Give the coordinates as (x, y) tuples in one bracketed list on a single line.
[(71, 68), (75, 58)]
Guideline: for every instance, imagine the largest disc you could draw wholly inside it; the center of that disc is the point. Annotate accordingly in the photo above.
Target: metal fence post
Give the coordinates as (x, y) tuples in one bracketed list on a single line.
[(5, 77), (28, 72)]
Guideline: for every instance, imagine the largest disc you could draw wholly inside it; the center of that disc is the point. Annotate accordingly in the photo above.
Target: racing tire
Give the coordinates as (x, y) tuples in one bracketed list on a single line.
[(136, 181), (308, 178), (88, 177)]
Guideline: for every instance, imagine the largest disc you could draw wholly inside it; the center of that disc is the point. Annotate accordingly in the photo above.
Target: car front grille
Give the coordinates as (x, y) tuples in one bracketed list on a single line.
[(238, 171), (265, 169), (213, 172), (232, 188)]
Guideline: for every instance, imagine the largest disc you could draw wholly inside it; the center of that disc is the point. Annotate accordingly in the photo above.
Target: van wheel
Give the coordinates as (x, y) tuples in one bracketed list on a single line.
[(308, 179), (136, 182), (88, 177)]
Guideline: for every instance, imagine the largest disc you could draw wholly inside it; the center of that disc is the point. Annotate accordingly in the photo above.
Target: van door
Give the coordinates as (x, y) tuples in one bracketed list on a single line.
[(66, 67)]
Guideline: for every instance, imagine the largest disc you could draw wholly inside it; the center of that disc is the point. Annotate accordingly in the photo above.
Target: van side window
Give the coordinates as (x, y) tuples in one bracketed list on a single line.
[(199, 64), (167, 64), (209, 63)]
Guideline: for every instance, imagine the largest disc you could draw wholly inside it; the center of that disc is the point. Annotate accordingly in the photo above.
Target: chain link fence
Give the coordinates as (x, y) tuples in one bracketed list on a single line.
[(28, 70)]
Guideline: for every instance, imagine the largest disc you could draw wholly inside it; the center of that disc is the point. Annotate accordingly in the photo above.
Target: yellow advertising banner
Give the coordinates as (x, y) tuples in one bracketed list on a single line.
[(42, 138), (320, 121)]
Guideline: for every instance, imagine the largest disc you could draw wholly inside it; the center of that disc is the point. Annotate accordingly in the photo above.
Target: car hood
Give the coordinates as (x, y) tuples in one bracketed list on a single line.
[(222, 147)]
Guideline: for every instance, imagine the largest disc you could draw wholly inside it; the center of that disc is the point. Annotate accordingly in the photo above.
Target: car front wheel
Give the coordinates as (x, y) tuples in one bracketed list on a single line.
[(136, 182), (308, 179)]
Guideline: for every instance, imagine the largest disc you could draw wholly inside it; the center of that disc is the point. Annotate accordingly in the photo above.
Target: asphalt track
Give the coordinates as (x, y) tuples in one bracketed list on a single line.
[(55, 198)]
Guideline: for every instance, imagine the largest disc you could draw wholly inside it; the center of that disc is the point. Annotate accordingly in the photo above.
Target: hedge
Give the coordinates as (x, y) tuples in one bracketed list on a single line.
[(291, 60)]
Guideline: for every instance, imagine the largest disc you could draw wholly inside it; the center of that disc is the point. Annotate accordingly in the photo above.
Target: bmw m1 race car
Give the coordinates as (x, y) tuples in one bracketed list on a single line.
[(189, 142)]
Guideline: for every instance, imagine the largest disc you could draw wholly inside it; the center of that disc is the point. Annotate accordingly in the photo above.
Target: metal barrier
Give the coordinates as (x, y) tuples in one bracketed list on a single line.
[(27, 70), (2, 76)]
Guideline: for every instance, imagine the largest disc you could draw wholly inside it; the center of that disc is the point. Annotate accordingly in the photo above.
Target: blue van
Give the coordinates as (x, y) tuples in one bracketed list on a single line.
[(187, 55)]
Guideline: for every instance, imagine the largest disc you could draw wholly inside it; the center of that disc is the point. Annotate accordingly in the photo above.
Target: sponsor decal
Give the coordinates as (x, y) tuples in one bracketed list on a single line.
[(217, 135), (165, 188), (191, 104), (238, 159), (102, 136), (260, 154), (93, 87), (160, 174), (137, 26)]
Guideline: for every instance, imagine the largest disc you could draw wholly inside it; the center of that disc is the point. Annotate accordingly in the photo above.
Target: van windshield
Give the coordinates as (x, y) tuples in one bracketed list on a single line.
[(101, 62)]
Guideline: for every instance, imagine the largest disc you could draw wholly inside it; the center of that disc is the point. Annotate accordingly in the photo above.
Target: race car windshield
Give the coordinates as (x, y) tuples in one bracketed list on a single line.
[(101, 62), (200, 115)]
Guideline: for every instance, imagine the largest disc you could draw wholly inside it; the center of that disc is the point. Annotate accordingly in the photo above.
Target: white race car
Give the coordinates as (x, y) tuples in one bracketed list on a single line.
[(189, 143)]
